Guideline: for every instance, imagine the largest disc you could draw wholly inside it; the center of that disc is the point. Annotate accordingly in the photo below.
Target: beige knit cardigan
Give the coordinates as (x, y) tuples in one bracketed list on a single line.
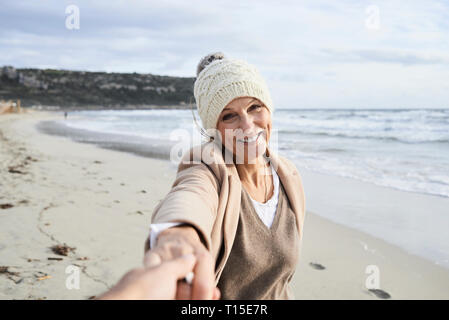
[(207, 193)]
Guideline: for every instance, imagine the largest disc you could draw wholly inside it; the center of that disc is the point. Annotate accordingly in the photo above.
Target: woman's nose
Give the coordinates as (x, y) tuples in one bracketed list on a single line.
[(246, 122)]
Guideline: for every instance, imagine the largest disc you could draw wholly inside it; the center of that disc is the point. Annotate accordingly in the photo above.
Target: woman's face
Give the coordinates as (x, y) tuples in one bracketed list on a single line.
[(245, 128)]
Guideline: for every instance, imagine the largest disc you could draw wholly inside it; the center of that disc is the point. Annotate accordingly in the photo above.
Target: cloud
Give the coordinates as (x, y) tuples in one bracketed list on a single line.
[(309, 51), (385, 56)]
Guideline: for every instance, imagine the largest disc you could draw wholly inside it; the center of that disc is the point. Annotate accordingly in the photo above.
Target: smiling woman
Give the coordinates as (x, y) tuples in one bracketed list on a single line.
[(244, 127), (243, 219)]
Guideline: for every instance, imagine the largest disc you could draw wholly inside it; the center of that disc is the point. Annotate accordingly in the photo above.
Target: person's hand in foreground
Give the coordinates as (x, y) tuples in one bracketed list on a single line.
[(154, 283), (177, 241)]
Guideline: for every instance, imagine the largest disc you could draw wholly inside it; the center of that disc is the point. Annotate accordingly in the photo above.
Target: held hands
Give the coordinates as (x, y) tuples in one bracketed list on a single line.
[(177, 242), (154, 283)]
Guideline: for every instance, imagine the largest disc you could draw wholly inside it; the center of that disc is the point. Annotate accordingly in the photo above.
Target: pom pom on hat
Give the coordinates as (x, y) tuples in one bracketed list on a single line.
[(207, 60)]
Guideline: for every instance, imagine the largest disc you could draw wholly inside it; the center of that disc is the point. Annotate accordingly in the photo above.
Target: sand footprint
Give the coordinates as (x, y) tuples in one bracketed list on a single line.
[(4, 206), (380, 293), (317, 266)]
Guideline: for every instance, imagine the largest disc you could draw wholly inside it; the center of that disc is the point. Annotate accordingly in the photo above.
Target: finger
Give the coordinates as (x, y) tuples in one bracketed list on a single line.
[(179, 267), (204, 280), (172, 250), (151, 259), (158, 255), (184, 291), (180, 250), (217, 294)]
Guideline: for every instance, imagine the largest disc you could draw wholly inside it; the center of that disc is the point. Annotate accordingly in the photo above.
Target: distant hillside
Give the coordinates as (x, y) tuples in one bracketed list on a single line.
[(93, 90)]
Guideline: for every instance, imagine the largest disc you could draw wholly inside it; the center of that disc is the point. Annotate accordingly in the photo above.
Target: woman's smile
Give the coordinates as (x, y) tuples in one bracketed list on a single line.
[(250, 140)]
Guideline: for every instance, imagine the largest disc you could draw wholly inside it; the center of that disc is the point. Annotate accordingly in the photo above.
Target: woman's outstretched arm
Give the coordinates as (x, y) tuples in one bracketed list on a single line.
[(193, 202)]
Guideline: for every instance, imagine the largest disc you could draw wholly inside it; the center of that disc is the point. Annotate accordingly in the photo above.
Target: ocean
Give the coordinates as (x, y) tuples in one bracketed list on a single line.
[(403, 149)]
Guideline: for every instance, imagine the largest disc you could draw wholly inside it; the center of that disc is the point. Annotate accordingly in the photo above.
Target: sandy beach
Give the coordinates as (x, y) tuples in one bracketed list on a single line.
[(97, 203)]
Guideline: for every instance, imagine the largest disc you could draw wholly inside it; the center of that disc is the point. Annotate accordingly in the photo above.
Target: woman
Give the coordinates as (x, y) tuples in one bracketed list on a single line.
[(238, 207)]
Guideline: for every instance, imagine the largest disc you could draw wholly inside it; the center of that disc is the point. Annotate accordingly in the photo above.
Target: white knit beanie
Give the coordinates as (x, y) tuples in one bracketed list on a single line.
[(221, 80)]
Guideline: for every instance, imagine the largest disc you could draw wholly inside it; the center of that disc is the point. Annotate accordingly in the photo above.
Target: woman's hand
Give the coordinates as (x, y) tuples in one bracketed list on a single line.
[(155, 283), (176, 242)]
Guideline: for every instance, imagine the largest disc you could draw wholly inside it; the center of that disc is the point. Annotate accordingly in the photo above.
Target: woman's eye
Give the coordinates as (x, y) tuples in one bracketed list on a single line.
[(254, 107), (228, 116)]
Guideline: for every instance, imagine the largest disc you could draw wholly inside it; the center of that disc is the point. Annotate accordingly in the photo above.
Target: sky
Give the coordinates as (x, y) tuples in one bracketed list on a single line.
[(312, 54)]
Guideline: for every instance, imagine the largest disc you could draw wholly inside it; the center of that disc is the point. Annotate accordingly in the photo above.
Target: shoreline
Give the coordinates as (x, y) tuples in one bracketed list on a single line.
[(383, 207), (107, 203), (143, 147)]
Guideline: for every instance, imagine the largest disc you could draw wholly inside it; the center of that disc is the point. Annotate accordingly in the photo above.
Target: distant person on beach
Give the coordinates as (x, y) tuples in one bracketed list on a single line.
[(65, 115), (235, 204)]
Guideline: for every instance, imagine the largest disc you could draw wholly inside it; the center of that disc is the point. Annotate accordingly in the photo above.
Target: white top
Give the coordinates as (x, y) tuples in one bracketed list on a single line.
[(266, 212)]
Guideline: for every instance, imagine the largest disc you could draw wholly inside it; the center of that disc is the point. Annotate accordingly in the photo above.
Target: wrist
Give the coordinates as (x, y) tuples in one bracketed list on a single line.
[(187, 232)]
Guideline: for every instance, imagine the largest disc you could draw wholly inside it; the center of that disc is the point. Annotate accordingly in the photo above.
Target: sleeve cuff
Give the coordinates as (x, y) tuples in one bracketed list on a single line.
[(157, 228)]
